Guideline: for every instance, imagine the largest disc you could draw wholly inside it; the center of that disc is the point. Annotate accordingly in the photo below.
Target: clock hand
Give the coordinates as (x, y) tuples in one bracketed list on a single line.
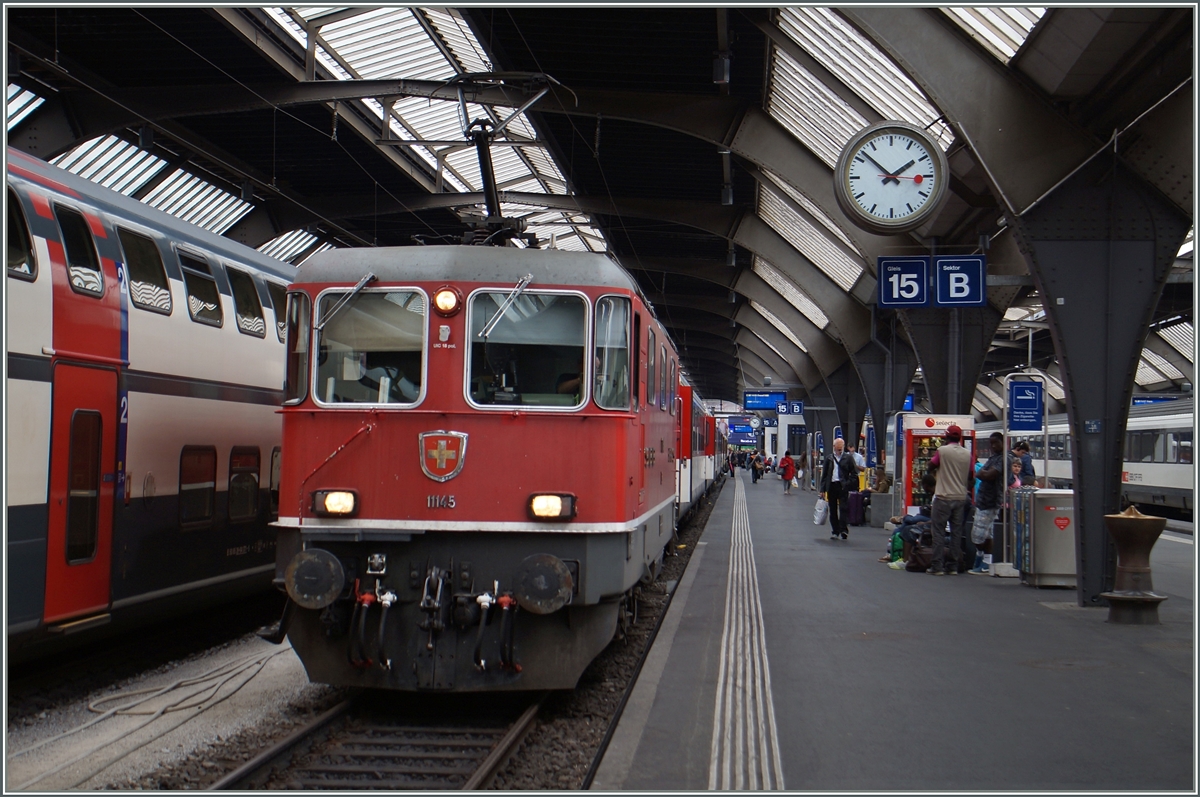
[(903, 168), (886, 177)]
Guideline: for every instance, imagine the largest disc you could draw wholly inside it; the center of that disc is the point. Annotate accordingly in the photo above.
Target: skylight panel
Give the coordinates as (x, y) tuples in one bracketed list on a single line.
[(388, 43), (1053, 386), (788, 290), (1001, 31), (197, 202), (806, 238), (865, 70), (1185, 251), (820, 119), (1147, 375), (111, 162), (285, 247), (812, 210), (1161, 365), (1182, 338), (457, 35), (992, 396), (779, 325), (21, 103)]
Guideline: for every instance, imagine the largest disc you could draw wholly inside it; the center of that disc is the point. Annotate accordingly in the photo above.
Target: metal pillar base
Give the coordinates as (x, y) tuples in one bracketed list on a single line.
[(1133, 608)]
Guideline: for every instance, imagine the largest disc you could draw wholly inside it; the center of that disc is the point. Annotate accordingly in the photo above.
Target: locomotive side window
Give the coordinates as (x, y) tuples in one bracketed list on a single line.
[(636, 369), (612, 353), (278, 295), (371, 347), (20, 253), (243, 483), (197, 484), (148, 287), (674, 387), (204, 303), (299, 332), (663, 391), (651, 376), (83, 264), (83, 487), (273, 486), (533, 353), (246, 307)]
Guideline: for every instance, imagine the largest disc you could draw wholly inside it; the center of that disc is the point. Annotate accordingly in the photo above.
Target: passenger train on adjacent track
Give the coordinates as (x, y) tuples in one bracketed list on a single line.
[(485, 449), (145, 367), (1158, 473)]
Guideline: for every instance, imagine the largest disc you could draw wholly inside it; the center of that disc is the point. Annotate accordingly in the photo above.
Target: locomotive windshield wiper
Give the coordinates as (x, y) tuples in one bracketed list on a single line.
[(345, 300), (512, 297)]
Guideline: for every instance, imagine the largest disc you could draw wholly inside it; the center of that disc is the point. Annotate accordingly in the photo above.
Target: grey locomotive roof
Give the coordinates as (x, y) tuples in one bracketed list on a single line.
[(503, 265), (109, 201)]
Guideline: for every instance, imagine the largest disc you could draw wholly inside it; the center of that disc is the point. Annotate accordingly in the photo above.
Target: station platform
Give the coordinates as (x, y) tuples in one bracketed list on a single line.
[(792, 661)]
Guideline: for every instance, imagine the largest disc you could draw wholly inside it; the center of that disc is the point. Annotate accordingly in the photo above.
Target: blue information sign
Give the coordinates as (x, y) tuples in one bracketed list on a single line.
[(1025, 406), (961, 280), (745, 428), (908, 402), (903, 281), (763, 399)]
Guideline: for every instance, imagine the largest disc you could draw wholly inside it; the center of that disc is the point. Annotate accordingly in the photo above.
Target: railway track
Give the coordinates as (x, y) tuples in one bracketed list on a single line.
[(389, 742)]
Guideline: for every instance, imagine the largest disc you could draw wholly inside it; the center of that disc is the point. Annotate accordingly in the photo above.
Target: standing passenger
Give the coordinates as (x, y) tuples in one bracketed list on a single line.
[(801, 470), (839, 478), (787, 467), (952, 463), (987, 503)]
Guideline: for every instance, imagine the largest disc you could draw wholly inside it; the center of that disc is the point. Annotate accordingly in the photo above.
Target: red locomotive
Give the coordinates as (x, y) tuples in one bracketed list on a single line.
[(480, 464)]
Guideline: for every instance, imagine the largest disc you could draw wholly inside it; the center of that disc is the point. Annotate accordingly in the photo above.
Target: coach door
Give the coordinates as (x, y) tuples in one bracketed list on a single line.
[(83, 447)]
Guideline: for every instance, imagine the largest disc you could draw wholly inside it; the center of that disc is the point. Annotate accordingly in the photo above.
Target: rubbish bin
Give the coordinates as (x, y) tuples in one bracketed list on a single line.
[(1045, 537)]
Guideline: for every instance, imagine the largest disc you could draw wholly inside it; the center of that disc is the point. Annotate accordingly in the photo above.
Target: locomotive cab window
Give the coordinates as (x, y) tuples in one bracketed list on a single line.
[(278, 295), (20, 253), (243, 483), (204, 303), (83, 264), (299, 332), (246, 307), (612, 353), (148, 287), (533, 352), (371, 347)]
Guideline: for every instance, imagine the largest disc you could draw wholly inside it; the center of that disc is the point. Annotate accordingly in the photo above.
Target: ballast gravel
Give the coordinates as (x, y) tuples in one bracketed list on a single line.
[(191, 749)]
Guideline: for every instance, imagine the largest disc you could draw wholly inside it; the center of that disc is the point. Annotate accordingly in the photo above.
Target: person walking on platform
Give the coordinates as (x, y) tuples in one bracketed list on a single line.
[(987, 504), (839, 478), (787, 469), (951, 464), (756, 468), (802, 471)]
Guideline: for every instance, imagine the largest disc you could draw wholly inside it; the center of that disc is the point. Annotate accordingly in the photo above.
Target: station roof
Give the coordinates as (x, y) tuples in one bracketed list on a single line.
[(297, 129)]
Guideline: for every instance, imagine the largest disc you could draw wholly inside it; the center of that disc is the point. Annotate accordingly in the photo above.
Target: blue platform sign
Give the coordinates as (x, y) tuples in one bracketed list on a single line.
[(961, 280), (781, 408), (763, 399), (1026, 406), (770, 422), (903, 281), (795, 407)]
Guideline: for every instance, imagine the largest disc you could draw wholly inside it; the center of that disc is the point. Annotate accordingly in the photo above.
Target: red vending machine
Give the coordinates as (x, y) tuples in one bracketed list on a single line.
[(922, 436)]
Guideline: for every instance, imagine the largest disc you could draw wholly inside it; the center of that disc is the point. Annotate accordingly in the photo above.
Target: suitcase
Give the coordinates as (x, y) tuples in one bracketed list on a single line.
[(854, 509)]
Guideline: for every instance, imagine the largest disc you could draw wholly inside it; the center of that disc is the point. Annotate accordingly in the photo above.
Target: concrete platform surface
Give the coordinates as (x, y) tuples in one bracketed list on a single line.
[(790, 660)]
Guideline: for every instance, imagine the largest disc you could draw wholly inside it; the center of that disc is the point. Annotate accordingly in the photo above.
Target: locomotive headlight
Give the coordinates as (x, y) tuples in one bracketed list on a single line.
[(552, 506), (447, 301), (341, 503)]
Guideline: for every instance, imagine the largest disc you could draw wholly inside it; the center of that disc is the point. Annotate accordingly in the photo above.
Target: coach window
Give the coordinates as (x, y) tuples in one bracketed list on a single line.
[(370, 347), (278, 295), (204, 303), (20, 254), (148, 286), (534, 352), (295, 386), (651, 373), (246, 307), (1185, 446), (243, 483), (83, 487), (612, 353), (273, 485), (197, 484), (83, 264)]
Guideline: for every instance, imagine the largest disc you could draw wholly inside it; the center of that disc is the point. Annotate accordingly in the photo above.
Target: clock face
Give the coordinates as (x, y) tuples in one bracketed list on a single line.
[(891, 178)]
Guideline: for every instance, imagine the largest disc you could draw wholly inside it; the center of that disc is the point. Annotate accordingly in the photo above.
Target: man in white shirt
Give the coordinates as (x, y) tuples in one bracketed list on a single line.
[(952, 465)]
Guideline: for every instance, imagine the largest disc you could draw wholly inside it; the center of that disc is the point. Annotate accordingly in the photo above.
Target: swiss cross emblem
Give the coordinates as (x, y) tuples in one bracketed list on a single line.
[(442, 454)]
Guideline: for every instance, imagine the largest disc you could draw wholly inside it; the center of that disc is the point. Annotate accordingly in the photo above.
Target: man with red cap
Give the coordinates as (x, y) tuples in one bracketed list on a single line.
[(952, 466)]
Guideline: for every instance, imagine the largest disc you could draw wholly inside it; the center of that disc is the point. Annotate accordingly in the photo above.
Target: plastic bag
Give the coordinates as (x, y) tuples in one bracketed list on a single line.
[(821, 512), (795, 482)]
